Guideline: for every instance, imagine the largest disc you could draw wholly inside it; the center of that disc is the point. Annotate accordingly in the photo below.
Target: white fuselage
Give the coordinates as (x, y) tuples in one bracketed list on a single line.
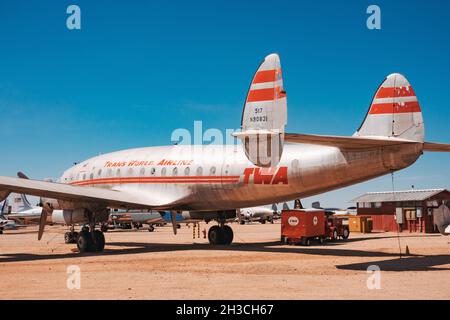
[(218, 177), (256, 213)]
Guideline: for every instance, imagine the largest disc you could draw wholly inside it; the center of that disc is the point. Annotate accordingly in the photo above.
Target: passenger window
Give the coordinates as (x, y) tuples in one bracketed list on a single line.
[(99, 173), (91, 176), (175, 171), (212, 171), (84, 176), (142, 172), (118, 173), (152, 171), (163, 172), (186, 171), (199, 171)]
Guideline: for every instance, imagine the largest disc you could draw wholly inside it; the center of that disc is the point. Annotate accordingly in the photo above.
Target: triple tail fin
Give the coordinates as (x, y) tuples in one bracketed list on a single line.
[(394, 112), (264, 116)]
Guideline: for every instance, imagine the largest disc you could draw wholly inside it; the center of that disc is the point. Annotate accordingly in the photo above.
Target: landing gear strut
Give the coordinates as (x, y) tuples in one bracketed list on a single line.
[(220, 235)]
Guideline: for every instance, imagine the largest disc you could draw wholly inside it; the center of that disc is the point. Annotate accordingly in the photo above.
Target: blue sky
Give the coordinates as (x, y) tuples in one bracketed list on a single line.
[(137, 70)]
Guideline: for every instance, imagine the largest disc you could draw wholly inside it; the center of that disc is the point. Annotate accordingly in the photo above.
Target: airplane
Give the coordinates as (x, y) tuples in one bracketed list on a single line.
[(269, 166), (261, 214), (137, 218), (5, 222), (22, 211)]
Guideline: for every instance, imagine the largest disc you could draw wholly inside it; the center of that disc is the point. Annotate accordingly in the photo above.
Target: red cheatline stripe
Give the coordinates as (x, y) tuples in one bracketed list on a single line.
[(90, 183), (389, 108), (193, 179), (265, 76), (395, 92)]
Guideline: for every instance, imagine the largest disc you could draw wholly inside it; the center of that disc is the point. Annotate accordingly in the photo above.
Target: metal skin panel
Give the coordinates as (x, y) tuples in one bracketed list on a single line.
[(311, 169)]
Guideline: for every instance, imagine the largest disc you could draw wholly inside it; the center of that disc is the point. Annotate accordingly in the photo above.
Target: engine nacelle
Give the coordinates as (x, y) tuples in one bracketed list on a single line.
[(50, 204), (208, 215), (69, 217)]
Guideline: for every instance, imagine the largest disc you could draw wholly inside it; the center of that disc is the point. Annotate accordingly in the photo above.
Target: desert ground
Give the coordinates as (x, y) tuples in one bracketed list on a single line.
[(138, 264)]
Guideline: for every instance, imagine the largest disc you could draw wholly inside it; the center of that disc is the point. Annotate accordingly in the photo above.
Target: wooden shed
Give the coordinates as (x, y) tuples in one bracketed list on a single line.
[(410, 210)]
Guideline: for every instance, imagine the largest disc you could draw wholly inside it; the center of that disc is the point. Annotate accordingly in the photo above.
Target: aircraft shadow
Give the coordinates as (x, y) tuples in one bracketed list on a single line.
[(137, 248), (407, 263)]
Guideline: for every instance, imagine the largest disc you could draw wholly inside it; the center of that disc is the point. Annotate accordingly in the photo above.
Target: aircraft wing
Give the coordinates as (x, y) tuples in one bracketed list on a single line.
[(65, 192), (436, 147), (352, 142)]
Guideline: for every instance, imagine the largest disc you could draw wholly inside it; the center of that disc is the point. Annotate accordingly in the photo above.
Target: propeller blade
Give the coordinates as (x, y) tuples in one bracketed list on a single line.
[(22, 175), (42, 222), (173, 218)]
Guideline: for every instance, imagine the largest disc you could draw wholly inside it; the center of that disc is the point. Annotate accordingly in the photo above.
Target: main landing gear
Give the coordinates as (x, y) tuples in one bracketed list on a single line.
[(87, 240), (91, 241), (222, 234)]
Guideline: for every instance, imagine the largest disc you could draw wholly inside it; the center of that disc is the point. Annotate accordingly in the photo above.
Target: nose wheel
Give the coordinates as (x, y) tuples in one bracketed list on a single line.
[(220, 235)]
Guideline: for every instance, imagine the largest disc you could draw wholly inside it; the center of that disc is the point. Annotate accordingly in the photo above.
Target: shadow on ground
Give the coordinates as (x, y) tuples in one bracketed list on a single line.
[(390, 262)]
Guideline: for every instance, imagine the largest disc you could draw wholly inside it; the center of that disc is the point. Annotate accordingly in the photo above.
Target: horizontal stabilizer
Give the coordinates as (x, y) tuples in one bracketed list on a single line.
[(436, 147), (353, 142)]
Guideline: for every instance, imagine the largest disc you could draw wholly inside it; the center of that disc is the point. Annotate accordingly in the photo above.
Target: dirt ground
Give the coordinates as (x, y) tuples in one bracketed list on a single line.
[(159, 265)]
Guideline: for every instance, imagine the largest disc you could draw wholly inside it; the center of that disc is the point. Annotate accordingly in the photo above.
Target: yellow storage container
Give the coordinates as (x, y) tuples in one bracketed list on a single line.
[(359, 224)]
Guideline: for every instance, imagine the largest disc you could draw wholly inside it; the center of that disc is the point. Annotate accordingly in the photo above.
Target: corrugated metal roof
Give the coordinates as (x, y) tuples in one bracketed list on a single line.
[(407, 195)]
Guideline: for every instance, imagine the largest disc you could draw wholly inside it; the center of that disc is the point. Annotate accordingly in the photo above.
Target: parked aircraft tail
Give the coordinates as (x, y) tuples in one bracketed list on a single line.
[(4, 207), (19, 203)]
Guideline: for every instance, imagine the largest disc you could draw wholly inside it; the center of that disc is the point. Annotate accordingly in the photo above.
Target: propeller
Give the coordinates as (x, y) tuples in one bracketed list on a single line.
[(21, 175), (44, 213), (173, 218), (42, 223)]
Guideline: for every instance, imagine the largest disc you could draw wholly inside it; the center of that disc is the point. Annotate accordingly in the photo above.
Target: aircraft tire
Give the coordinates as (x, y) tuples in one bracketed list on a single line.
[(68, 237), (215, 235), (345, 234), (335, 235), (151, 228), (99, 241), (228, 235), (84, 242)]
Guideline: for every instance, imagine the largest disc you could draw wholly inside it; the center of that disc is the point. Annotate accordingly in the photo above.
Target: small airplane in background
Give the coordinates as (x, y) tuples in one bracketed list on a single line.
[(259, 214), (5, 222), (22, 211), (134, 218)]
